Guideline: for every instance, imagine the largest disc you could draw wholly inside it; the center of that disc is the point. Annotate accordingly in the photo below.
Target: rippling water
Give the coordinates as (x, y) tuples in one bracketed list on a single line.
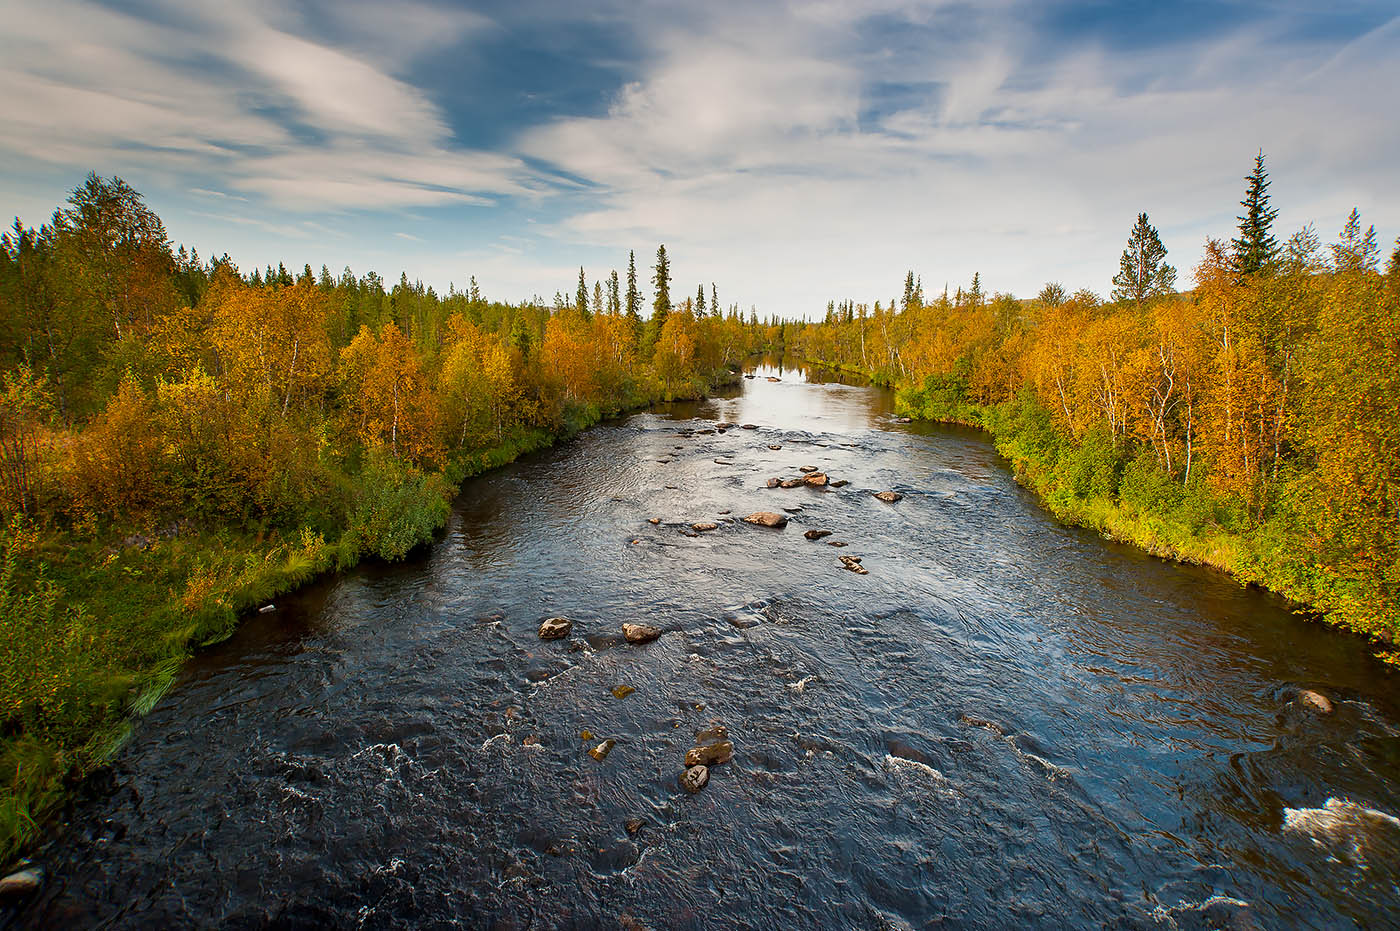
[(1005, 723)]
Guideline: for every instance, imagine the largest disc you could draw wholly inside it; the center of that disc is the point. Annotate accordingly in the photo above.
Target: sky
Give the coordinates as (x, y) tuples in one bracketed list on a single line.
[(790, 153)]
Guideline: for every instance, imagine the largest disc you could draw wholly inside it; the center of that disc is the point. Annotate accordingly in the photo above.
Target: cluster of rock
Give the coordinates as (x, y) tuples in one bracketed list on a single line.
[(712, 747), (853, 563)]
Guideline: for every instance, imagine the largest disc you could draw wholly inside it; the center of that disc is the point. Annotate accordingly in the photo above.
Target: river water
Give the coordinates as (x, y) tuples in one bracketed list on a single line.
[(1006, 722)]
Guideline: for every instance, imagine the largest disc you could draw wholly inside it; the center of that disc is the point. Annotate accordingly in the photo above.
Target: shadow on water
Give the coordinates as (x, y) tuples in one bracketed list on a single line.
[(1006, 722)]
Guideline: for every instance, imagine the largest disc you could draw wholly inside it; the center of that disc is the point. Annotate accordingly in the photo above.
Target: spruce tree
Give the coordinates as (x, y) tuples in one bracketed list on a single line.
[(582, 298), (614, 295), (1142, 273), (700, 301), (714, 300), (661, 280), (1355, 251), (1255, 248), (634, 297), (598, 298)]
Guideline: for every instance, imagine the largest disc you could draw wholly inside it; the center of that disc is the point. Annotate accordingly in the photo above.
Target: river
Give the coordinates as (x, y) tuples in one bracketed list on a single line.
[(1006, 722)]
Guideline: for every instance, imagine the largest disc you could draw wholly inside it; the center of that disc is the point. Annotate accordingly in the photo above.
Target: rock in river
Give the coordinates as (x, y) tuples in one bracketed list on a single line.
[(694, 779), (555, 627), (749, 426), (600, 752), (817, 534), (633, 825), (774, 482), (721, 751), (816, 479), (653, 521), (889, 496), (841, 484), (808, 468), (703, 525), (622, 691), (715, 731), (1315, 701), (640, 633), (766, 519), (791, 483), (774, 446), (27, 882)]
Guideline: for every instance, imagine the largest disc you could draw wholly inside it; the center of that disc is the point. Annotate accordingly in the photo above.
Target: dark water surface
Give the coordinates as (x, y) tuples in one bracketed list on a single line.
[(1005, 723)]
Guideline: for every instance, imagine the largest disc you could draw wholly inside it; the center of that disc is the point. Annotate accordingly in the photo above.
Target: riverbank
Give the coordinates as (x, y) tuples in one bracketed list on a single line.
[(1120, 492), (101, 621)]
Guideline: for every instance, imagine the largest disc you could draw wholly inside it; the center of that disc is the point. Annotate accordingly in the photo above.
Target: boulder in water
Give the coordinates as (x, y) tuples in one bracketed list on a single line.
[(888, 496), (633, 825), (22, 883), (903, 420), (836, 543), (553, 628), (622, 691), (774, 482), (653, 521), (808, 468), (816, 479), (640, 633), (853, 563), (841, 484), (715, 731), (1315, 701), (694, 779), (774, 446), (774, 378), (766, 519), (703, 525), (792, 483), (817, 534), (600, 752), (749, 426), (721, 751)]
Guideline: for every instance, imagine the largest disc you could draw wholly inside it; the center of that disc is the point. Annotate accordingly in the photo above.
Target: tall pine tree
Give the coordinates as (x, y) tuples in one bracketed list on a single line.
[(634, 297), (1255, 248), (582, 297), (1142, 273)]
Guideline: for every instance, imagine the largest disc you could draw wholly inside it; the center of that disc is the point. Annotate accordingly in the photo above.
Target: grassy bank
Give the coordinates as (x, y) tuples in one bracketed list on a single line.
[(1119, 490), (99, 620)]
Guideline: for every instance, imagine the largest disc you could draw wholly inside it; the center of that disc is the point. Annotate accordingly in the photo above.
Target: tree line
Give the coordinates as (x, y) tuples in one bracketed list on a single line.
[(1248, 422)]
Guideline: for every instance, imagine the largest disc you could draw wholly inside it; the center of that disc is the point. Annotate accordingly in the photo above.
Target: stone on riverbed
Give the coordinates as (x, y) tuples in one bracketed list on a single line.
[(703, 525), (774, 482), (1315, 701), (22, 883), (792, 483), (622, 691), (816, 479), (694, 779), (841, 484), (715, 731), (807, 468), (766, 519), (600, 752), (640, 633), (888, 496), (817, 534), (721, 751), (555, 627)]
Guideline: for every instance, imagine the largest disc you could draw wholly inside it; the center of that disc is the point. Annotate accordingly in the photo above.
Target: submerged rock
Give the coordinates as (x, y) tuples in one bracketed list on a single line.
[(640, 633), (792, 483), (836, 543), (889, 496), (1315, 701), (555, 627), (903, 420), (749, 426), (774, 482), (22, 883), (622, 691), (694, 779), (703, 525), (817, 534), (633, 825), (715, 731), (807, 468), (841, 484), (600, 752), (774, 378), (766, 519), (721, 751)]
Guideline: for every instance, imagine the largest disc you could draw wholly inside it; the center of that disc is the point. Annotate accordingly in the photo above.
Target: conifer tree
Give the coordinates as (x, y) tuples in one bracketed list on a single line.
[(700, 301), (614, 294), (634, 297), (582, 297), (1142, 273), (714, 300), (1255, 248), (1355, 251), (661, 280)]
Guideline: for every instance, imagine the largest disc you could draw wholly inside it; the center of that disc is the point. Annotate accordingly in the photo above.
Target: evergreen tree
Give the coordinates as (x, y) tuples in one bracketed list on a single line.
[(634, 297), (661, 280), (598, 298), (1255, 248), (908, 291), (582, 302), (1355, 251), (614, 294), (1142, 273), (714, 300), (700, 301)]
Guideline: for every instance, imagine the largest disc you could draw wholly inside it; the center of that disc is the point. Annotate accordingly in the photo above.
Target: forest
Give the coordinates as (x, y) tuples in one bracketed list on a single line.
[(181, 441), (1247, 422)]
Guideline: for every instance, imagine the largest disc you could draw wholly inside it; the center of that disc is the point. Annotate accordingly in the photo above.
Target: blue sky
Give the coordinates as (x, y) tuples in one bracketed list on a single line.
[(790, 152)]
